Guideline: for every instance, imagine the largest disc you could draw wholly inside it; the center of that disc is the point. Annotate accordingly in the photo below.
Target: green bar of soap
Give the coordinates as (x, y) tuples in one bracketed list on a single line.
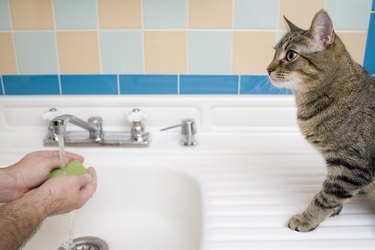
[(74, 167)]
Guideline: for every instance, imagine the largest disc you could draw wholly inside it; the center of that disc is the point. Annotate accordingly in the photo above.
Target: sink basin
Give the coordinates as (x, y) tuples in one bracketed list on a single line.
[(138, 208)]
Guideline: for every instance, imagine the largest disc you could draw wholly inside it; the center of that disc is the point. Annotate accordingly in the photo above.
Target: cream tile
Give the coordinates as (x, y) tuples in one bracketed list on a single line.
[(116, 14), (78, 52), (165, 51), (299, 12), (8, 55), (253, 51), (355, 43), (31, 14), (213, 14)]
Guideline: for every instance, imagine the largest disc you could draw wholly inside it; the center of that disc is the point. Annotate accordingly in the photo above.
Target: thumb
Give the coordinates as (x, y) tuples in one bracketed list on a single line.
[(54, 158)]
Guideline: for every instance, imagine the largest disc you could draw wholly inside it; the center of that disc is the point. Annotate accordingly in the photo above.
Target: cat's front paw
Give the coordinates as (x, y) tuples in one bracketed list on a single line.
[(300, 223)]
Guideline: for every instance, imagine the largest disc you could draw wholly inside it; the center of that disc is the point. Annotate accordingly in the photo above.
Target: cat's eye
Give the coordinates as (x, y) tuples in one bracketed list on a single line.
[(291, 55)]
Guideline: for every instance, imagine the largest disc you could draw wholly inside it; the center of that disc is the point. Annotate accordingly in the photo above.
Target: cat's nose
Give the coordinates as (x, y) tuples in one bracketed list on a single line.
[(270, 69)]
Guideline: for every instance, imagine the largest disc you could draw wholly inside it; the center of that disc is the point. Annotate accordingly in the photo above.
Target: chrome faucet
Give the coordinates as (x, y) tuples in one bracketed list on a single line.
[(188, 131), (93, 125), (137, 137)]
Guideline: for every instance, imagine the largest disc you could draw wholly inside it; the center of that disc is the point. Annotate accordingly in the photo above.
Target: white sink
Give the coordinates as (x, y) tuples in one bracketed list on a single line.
[(139, 208), (236, 190)]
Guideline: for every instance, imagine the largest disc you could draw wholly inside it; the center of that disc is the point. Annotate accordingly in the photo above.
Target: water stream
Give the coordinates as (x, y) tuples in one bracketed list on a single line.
[(60, 140), (68, 245)]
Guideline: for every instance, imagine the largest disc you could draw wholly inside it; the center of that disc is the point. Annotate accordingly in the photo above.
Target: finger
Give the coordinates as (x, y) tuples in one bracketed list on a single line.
[(73, 156), (88, 191), (92, 172), (83, 180), (54, 158)]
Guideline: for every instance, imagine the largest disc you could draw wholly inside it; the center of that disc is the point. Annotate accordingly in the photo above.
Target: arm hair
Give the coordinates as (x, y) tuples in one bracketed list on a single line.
[(19, 219)]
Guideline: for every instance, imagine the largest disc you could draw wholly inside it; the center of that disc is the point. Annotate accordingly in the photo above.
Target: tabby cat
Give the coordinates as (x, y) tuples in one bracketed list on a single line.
[(335, 100)]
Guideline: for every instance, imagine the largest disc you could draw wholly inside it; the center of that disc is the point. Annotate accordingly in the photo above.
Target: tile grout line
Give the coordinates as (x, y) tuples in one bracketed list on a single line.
[(366, 37), (57, 49), (239, 84), (13, 37), (232, 39), (2, 84), (187, 30), (178, 84), (143, 38), (118, 85), (368, 29), (99, 37)]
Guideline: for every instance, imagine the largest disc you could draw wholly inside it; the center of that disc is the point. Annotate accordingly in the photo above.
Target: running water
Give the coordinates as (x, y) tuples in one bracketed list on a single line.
[(60, 140), (68, 245)]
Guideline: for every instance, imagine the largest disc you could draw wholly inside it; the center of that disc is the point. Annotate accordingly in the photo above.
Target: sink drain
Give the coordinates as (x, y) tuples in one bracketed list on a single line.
[(88, 243)]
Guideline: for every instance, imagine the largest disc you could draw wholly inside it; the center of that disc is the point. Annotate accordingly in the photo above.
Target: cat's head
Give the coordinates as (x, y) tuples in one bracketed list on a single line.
[(301, 54)]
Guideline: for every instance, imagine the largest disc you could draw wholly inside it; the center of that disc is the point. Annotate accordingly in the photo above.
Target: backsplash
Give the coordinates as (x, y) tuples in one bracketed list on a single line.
[(65, 47)]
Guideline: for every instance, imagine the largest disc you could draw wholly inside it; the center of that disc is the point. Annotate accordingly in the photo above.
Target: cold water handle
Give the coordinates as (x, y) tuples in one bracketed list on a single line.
[(137, 130)]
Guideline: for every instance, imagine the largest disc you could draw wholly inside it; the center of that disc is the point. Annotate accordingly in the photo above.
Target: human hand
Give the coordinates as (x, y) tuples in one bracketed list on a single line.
[(32, 170), (63, 194)]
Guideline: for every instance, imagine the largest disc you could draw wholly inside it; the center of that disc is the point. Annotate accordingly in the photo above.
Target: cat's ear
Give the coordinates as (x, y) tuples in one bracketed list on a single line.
[(292, 26), (321, 29)]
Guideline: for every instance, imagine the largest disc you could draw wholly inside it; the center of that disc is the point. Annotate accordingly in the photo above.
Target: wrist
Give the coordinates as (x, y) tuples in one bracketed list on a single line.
[(8, 186), (31, 204)]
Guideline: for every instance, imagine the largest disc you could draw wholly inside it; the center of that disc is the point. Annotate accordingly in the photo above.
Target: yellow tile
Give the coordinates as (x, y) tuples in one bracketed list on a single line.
[(355, 44), (213, 14), (116, 14), (165, 51), (299, 12), (8, 55), (31, 14), (253, 51), (78, 52)]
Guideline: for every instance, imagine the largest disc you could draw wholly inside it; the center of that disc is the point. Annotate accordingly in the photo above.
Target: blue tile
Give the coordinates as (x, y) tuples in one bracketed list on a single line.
[(148, 84), (349, 14), (210, 52), (260, 85), (72, 14), (5, 22), (31, 84), (165, 14), (373, 5), (122, 52), (36, 52), (89, 84), (255, 14), (369, 61), (209, 84)]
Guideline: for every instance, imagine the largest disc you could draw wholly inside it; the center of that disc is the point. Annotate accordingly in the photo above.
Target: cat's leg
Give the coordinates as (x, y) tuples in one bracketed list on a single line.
[(339, 186), (337, 211), (368, 191)]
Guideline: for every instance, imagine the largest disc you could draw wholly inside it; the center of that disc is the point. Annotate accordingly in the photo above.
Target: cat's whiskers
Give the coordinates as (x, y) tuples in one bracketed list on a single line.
[(259, 86)]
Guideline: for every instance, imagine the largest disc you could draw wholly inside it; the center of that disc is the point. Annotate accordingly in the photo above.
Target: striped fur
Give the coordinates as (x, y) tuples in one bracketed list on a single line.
[(335, 100)]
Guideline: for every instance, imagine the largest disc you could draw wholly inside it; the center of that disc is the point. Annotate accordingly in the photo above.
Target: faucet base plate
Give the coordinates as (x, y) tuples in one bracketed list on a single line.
[(110, 139)]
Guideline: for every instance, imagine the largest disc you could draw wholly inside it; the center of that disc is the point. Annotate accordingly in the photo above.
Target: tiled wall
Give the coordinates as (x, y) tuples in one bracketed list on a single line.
[(160, 46)]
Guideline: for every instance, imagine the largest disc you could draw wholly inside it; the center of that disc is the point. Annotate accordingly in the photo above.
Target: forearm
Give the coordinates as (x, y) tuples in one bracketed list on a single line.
[(8, 190), (18, 220)]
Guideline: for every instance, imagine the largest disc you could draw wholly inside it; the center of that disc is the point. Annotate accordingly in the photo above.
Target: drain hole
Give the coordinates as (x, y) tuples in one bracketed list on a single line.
[(88, 243)]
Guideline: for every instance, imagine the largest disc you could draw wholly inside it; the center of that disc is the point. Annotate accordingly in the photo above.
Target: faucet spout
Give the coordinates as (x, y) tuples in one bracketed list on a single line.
[(94, 125)]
